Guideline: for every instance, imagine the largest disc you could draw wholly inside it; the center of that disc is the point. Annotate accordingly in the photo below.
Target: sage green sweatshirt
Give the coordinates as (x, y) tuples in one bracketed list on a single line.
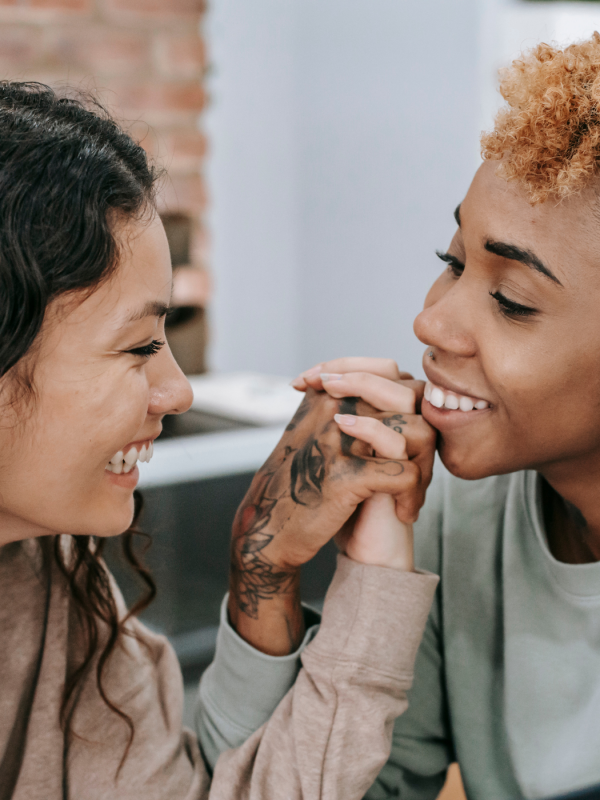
[(507, 678)]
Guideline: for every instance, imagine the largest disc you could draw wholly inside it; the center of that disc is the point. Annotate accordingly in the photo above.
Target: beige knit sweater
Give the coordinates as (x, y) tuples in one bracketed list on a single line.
[(327, 739)]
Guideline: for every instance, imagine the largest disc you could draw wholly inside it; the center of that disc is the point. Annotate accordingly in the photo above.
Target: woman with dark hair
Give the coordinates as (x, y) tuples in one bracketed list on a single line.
[(507, 680), (90, 700)]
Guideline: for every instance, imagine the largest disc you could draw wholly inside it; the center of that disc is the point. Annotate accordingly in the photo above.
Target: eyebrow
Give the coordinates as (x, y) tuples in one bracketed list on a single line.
[(526, 257), (457, 214), (151, 309)]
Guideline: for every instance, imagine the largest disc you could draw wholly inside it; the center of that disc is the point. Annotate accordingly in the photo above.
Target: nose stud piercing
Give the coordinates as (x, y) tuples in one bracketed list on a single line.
[(430, 354)]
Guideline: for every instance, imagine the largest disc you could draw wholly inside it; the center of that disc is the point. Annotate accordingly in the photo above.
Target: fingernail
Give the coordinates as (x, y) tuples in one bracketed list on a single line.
[(330, 376), (297, 383), (312, 373), (345, 419)]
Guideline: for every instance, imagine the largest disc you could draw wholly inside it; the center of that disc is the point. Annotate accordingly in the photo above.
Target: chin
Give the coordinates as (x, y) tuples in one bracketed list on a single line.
[(112, 521), (471, 465)]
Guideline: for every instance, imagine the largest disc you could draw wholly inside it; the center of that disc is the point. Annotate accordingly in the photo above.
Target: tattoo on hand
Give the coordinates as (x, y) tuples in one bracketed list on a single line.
[(254, 576), (307, 474), (396, 422), (293, 475), (301, 412)]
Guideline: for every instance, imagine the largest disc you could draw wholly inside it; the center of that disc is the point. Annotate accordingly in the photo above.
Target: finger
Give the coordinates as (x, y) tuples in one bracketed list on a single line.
[(401, 479), (386, 442), (421, 444), (385, 367), (381, 393), (418, 388)]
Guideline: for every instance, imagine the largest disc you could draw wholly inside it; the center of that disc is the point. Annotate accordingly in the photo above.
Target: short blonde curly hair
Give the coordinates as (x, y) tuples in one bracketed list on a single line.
[(548, 138)]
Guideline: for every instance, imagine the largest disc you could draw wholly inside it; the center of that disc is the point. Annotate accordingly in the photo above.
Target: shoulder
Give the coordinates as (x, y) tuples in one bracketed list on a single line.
[(457, 513)]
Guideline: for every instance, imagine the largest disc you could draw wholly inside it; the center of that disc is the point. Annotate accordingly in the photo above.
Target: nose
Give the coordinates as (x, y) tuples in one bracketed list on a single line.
[(170, 390), (446, 319)]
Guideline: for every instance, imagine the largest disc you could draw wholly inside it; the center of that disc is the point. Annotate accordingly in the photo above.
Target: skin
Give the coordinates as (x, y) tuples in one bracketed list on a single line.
[(525, 337), (93, 397), (95, 392), (540, 371), (305, 494)]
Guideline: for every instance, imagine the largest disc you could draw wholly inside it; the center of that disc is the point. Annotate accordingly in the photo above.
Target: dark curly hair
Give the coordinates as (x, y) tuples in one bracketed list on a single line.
[(68, 174), (548, 137)]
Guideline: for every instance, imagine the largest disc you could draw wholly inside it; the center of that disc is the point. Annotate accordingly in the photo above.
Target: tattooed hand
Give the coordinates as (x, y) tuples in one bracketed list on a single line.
[(303, 495), (379, 382)]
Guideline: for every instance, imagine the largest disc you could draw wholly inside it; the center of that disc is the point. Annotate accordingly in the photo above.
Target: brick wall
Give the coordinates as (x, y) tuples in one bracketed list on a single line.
[(145, 59)]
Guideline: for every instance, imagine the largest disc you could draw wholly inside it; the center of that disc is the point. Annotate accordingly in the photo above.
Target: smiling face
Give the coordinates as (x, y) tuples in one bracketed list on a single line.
[(102, 384), (514, 322)]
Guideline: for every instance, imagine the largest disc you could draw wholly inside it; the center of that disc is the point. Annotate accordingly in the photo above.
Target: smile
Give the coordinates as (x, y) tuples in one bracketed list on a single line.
[(443, 398), (125, 460)]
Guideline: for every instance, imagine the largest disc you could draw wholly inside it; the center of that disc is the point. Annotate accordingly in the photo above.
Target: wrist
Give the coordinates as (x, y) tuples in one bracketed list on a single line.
[(403, 562), (268, 617)]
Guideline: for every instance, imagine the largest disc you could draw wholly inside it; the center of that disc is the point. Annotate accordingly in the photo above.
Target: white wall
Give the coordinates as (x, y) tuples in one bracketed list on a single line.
[(508, 27), (343, 132)]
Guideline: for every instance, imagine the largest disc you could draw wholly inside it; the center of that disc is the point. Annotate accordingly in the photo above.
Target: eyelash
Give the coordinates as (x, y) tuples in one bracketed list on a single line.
[(148, 350), (511, 309), (507, 307), (455, 267)]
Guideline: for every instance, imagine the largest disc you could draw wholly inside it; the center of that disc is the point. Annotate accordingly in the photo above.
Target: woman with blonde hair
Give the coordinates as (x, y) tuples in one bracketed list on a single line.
[(507, 680)]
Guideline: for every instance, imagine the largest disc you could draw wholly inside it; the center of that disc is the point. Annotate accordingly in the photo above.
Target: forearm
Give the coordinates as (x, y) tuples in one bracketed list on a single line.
[(264, 608), (331, 734)]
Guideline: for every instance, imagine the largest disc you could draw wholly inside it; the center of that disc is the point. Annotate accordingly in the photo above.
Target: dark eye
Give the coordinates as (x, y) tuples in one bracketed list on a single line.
[(511, 309), (455, 267), (148, 350)]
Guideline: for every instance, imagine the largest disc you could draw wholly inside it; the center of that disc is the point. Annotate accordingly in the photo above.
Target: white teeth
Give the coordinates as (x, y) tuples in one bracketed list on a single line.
[(437, 397), (131, 456), (441, 399), (125, 463)]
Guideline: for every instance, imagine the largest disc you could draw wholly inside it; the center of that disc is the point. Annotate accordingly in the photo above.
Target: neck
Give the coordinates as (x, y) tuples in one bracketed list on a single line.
[(571, 503)]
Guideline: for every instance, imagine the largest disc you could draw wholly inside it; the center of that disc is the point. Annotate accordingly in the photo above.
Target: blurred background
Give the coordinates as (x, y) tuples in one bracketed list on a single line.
[(314, 151)]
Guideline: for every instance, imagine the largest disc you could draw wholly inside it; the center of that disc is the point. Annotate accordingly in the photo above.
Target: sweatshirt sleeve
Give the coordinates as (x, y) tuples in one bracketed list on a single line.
[(422, 747), (242, 687), (327, 739), (331, 733)]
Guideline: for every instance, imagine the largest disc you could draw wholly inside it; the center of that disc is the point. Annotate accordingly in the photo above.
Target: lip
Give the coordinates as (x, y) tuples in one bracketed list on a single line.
[(126, 480), (446, 419), (449, 386)]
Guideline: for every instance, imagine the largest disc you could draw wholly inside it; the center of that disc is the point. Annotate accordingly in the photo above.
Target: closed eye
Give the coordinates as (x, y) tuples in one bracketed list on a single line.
[(455, 267), (511, 309), (148, 350)]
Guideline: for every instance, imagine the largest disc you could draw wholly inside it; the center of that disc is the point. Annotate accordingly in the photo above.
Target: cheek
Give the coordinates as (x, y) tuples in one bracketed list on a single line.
[(62, 452), (92, 422)]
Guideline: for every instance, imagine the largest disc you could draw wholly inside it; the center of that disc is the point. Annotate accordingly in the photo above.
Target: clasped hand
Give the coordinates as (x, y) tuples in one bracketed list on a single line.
[(355, 461)]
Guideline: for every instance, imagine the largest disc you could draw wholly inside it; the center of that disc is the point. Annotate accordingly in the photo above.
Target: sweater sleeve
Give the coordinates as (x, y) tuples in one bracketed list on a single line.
[(327, 739), (331, 734), (242, 687), (422, 748)]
